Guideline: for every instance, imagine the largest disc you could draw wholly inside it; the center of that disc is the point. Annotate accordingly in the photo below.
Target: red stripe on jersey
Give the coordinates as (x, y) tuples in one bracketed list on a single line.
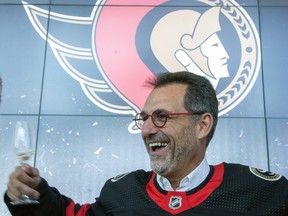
[(176, 202), (82, 211), (70, 210)]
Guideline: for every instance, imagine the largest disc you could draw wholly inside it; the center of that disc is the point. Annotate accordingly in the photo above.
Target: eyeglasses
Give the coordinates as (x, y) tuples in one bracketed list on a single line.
[(159, 118)]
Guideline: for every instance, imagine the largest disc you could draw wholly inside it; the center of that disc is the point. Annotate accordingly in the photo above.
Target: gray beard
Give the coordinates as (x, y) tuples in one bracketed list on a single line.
[(160, 167)]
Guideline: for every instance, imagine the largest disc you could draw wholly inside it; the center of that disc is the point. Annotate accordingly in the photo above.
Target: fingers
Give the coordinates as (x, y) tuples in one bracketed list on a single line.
[(24, 180), (35, 177)]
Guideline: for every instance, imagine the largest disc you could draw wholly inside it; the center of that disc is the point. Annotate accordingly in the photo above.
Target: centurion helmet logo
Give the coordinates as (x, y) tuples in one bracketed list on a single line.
[(175, 202), (125, 45)]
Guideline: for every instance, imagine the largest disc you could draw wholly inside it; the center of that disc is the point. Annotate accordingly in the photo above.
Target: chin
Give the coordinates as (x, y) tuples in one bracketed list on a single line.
[(160, 169)]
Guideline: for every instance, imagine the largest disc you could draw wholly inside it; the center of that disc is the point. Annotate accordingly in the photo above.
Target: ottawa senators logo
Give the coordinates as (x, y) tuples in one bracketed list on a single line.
[(269, 176), (127, 44)]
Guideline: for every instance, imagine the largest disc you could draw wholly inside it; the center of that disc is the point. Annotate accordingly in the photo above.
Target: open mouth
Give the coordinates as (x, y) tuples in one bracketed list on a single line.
[(157, 146)]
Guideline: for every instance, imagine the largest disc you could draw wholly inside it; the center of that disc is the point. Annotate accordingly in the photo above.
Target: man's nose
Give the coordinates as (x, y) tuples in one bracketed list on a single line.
[(148, 127)]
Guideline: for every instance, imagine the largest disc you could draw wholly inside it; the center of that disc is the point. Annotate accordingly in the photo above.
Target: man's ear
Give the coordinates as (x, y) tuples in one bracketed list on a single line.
[(205, 125)]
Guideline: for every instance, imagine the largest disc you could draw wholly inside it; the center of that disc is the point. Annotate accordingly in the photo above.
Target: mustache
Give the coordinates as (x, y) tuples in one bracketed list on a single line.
[(156, 138)]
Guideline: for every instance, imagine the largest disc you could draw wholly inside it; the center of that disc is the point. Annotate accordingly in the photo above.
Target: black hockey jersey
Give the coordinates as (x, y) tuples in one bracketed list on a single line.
[(229, 189)]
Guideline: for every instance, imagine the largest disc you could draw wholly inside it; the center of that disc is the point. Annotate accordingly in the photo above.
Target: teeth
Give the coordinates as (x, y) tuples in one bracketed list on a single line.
[(158, 144)]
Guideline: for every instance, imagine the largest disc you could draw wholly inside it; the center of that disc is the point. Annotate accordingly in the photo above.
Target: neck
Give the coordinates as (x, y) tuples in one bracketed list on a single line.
[(176, 178), (175, 183)]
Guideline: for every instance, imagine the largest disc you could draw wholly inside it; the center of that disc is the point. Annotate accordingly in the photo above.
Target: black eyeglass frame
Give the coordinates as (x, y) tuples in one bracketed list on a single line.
[(156, 114)]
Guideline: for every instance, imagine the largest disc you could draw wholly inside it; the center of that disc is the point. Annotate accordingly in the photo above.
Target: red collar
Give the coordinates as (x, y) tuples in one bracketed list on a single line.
[(176, 202)]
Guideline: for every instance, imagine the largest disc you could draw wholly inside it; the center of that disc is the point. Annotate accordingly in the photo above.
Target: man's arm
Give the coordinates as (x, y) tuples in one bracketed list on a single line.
[(28, 181)]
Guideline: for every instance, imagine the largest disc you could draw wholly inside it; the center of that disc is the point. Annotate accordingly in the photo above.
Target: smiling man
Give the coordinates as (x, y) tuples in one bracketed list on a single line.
[(175, 146), (177, 121)]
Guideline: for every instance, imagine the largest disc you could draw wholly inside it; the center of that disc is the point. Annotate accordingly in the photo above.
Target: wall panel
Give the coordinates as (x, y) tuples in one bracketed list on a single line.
[(62, 62)]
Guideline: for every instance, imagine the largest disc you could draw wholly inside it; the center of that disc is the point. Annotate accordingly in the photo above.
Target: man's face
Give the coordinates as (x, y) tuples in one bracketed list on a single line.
[(172, 148)]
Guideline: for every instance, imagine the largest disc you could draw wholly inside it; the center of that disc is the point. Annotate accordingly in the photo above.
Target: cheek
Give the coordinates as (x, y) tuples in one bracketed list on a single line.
[(187, 135), (179, 132)]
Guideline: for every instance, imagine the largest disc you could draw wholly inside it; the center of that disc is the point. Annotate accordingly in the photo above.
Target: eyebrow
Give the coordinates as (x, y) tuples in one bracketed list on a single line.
[(157, 110)]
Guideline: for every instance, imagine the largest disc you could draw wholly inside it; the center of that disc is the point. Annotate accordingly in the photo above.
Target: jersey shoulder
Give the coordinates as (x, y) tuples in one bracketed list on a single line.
[(243, 171), (133, 179)]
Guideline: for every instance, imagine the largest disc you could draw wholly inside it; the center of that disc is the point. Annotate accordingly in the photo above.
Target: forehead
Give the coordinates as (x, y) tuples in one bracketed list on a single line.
[(170, 98)]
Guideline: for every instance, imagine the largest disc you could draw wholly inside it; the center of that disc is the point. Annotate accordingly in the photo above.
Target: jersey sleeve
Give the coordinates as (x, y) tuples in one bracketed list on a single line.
[(52, 202)]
